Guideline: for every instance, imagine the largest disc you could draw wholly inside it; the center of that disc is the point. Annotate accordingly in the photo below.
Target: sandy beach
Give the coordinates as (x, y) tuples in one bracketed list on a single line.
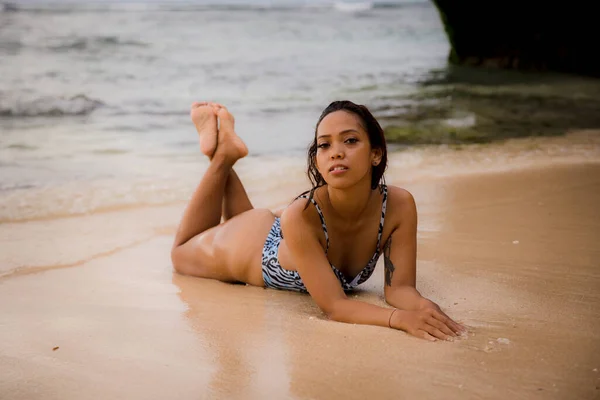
[(508, 244)]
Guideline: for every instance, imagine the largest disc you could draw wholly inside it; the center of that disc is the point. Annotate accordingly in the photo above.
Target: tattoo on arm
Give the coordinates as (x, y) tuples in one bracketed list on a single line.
[(388, 265)]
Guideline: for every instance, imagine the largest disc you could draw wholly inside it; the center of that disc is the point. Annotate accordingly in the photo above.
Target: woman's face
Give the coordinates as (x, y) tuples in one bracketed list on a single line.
[(344, 154)]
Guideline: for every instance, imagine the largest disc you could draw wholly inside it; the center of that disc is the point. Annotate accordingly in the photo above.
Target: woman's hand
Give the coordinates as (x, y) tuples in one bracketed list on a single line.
[(456, 327), (426, 323)]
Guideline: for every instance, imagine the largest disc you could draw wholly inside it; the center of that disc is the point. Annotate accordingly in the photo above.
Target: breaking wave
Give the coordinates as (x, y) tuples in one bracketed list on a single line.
[(83, 43), (49, 106)]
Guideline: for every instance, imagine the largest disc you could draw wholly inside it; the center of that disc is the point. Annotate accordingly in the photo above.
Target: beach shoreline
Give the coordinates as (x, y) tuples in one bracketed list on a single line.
[(91, 308)]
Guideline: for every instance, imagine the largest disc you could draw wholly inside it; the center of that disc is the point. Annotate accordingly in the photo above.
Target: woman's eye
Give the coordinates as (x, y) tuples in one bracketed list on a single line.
[(323, 145), (351, 140)]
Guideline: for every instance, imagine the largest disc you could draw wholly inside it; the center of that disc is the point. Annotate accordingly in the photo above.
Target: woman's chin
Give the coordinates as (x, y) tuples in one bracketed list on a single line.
[(341, 183)]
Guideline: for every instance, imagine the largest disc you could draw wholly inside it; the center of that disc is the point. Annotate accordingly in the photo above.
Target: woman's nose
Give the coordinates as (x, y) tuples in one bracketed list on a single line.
[(337, 152)]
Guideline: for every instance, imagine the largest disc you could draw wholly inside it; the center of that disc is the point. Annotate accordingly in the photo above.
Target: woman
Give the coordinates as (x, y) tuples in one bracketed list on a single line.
[(325, 242)]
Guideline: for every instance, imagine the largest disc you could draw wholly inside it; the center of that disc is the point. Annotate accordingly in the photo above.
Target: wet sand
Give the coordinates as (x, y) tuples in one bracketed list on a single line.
[(512, 253)]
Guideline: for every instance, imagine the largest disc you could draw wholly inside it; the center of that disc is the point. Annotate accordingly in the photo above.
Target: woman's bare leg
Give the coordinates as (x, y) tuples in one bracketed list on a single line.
[(236, 199), (206, 205), (203, 247)]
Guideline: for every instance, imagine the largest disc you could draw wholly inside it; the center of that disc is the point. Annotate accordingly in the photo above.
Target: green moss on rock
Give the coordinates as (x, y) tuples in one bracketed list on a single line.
[(480, 114), (434, 134)]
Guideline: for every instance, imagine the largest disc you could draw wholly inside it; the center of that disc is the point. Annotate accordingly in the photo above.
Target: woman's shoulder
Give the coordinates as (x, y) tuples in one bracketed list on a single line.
[(400, 203), (300, 222), (399, 195), (300, 212)]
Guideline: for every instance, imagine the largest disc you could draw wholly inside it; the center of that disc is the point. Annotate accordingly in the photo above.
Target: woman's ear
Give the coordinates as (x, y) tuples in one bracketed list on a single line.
[(376, 155)]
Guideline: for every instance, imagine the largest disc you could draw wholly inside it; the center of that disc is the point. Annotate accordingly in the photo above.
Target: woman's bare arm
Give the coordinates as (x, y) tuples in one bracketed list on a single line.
[(317, 275), (322, 284), (400, 263), (400, 254)]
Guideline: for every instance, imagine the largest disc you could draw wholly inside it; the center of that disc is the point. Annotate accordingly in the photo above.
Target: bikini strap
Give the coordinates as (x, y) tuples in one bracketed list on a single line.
[(382, 220), (322, 219)]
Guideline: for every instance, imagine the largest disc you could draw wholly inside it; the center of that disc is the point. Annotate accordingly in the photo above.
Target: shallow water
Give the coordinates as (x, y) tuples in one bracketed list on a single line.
[(94, 97)]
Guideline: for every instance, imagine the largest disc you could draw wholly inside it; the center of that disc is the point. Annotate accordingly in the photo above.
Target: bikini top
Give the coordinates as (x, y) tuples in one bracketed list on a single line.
[(367, 271)]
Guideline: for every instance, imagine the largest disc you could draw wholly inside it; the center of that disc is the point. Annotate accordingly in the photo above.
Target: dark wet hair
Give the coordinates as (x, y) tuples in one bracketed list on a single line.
[(376, 139)]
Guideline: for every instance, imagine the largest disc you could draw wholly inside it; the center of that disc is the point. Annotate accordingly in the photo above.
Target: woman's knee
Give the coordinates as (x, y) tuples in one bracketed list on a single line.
[(224, 252), (196, 256), (186, 263)]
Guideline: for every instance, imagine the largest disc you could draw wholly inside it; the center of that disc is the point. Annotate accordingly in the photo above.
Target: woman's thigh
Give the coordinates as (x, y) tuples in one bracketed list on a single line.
[(232, 251)]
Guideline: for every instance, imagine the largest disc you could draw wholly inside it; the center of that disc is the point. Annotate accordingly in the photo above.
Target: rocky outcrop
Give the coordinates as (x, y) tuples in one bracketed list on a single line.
[(527, 35)]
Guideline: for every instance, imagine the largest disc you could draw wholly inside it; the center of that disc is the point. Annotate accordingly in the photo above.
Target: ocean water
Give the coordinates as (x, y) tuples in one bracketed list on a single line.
[(95, 96)]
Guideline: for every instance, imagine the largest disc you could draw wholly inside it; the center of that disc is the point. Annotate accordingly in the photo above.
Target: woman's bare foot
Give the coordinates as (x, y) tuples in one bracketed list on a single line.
[(205, 119), (229, 145)]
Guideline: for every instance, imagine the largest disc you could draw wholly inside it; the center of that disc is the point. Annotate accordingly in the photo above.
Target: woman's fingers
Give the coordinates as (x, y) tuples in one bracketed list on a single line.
[(431, 324), (442, 327), (456, 327), (443, 317), (425, 335), (435, 332), (440, 316)]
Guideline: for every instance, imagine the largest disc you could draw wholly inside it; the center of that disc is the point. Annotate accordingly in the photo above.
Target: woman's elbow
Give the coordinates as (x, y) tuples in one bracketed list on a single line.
[(336, 311)]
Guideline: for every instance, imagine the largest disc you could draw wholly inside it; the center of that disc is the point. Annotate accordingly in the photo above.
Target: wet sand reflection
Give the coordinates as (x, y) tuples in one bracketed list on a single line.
[(238, 325)]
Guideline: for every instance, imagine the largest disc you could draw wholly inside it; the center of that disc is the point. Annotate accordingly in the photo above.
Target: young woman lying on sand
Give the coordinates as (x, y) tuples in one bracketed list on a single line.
[(325, 242)]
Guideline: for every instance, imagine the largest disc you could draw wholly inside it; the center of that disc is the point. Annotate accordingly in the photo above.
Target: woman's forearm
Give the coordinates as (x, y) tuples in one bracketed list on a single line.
[(358, 312), (404, 297)]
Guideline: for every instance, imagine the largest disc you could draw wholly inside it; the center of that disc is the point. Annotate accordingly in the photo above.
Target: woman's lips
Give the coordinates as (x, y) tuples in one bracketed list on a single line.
[(338, 170)]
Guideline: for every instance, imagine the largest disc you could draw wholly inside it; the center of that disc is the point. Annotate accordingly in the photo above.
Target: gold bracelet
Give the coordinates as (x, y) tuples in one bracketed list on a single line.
[(390, 321)]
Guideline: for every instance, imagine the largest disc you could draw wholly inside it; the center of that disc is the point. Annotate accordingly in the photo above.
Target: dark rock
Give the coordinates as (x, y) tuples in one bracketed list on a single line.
[(530, 35)]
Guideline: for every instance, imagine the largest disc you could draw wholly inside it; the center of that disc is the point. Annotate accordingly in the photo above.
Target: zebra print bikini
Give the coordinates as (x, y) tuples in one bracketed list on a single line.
[(277, 277)]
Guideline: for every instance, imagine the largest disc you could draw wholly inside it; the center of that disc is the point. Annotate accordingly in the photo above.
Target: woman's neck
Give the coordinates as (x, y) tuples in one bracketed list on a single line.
[(351, 203)]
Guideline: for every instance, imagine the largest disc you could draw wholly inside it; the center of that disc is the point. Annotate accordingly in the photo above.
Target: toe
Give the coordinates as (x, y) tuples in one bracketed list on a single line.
[(226, 120), (200, 112)]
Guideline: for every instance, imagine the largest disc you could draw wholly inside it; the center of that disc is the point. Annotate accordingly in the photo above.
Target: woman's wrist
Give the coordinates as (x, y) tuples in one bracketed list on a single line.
[(396, 319), (391, 316)]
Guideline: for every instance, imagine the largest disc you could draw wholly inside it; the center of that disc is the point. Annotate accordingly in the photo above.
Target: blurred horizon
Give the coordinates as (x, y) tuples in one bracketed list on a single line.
[(218, 2)]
